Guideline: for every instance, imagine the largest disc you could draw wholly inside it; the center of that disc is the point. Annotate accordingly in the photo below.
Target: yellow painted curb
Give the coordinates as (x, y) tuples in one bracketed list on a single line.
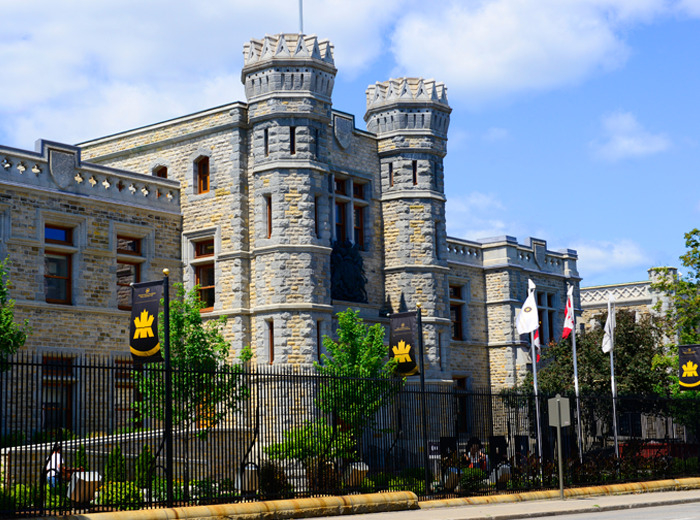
[(612, 489), (273, 510)]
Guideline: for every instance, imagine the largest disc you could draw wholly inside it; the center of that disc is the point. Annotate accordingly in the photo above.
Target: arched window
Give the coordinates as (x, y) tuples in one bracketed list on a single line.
[(202, 169)]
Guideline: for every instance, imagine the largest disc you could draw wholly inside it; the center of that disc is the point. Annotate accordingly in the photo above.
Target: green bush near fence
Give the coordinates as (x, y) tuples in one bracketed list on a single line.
[(124, 496)]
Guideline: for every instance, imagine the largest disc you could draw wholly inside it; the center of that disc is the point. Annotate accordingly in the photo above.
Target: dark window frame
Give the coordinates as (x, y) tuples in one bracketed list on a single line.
[(203, 175)]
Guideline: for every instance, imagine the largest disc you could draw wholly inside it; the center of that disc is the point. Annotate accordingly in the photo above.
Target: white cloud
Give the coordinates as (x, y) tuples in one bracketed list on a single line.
[(81, 69), (496, 134), (489, 49), (478, 215), (598, 257), (626, 138)]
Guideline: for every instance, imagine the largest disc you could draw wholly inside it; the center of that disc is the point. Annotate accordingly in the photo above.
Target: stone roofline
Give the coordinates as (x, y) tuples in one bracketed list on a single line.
[(630, 293), (505, 251), (186, 119), (58, 167)]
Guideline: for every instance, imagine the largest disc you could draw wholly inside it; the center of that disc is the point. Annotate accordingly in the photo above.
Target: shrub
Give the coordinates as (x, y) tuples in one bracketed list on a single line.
[(407, 484), (24, 496), (81, 459), (12, 439), (56, 497), (472, 479), (115, 469), (144, 467), (273, 482), (124, 496)]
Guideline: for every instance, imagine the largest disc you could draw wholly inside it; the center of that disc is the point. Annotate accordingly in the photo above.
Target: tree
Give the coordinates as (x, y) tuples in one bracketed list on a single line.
[(683, 315), (638, 344), (682, 325), (205, 387), (12, 336), (354, 364)]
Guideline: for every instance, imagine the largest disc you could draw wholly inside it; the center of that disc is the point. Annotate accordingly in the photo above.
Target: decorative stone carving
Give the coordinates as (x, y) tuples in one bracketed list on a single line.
[(343, 131), (62, 168)]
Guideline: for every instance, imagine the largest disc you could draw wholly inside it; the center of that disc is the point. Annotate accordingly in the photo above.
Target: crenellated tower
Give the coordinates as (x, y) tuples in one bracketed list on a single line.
[(410, 117), (288, 81)]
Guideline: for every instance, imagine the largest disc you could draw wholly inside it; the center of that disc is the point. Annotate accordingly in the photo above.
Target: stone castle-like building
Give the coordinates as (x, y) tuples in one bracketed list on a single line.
[(248, 200)]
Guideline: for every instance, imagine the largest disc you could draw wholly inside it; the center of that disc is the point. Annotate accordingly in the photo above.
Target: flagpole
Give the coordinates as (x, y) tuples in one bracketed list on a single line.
[(612, 378), (168, 415), (578, 399), (537, 400)]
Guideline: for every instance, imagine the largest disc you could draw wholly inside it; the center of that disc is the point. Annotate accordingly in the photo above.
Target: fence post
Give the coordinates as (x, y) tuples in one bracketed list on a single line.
[(426, 461), (168, 426)]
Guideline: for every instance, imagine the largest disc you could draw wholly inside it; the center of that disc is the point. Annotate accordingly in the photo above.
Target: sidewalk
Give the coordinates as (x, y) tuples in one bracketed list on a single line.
[(537, 508)]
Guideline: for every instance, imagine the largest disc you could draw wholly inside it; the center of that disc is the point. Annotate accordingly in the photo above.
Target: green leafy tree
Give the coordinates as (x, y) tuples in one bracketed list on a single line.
[(638, 344), (12, 336), (354, 363), (682, 326), (205, 387)]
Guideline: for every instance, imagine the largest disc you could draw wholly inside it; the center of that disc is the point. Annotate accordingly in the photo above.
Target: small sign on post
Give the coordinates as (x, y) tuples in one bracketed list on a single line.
[(559, 415), (433, 450)]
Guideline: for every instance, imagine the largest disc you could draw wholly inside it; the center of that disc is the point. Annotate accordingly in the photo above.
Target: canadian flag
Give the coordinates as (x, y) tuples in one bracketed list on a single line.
[(568, 314), (537, 343)]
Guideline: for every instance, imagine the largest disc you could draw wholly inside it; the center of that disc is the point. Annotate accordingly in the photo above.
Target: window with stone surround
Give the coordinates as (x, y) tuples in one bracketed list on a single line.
[(128, 269), (161, 171), (57, 264), (547, 310), (270, 342), (414, 171), (204, 273), (457, 311), (341, 221), (57, 393), (292, 140), (202, 169), (266, 142), (391, 174), (268, 216), (359, 227)]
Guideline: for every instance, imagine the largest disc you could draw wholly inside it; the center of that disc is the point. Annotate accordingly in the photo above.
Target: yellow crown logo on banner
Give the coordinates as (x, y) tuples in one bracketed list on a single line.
[(143, 325), (401, 352), (690, 369)]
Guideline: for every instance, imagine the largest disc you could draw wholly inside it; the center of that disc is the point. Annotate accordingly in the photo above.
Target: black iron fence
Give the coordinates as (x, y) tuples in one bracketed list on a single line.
[(281, 432)]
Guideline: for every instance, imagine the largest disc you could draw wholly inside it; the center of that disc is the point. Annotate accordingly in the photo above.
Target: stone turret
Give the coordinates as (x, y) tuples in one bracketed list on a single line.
[(410, 117), (289, 80)]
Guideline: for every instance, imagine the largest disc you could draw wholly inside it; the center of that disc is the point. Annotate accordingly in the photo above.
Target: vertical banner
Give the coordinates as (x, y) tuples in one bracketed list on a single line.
[(688, 361), (143, 335), (404, 346)]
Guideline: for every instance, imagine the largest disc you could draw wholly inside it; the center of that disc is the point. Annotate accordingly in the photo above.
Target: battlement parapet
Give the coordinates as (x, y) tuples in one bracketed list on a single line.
[(58, 167), (408, 105)]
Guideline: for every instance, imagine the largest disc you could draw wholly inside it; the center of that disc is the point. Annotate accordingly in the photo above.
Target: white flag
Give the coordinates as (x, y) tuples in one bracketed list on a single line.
[(568, 314), (528, 319), (609, 326)]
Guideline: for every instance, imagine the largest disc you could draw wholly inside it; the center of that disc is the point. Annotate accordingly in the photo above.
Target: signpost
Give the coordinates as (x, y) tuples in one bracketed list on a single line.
[(559, 416)]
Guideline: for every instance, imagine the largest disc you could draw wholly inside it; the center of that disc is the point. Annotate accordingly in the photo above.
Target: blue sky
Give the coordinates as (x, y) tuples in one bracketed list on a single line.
[(575, 121)]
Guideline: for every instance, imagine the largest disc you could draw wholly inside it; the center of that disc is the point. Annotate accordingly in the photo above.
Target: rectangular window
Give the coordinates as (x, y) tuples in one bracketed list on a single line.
[(204, 277), (340, 222), (456, 292), (58, 235), (266, 142), (319, 341), (340, 186), (414, 165), (456, 319), (204, 274), (391, 174), (268, 215), (126, 275), (271, 342), (128, 246), (316, 217), (358, 190), (314, 141), (293, 140), (57, 265), (547, 313), (161, 172), (57, 393), (203, 175), (434, 177), (359, 227)]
